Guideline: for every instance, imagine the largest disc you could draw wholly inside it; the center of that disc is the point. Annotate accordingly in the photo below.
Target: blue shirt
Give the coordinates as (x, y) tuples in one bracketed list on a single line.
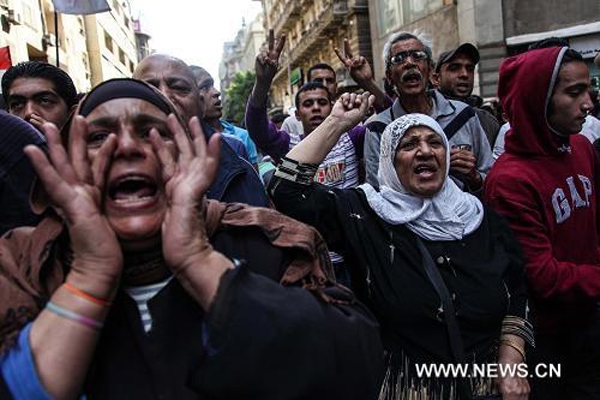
[(243, 135)]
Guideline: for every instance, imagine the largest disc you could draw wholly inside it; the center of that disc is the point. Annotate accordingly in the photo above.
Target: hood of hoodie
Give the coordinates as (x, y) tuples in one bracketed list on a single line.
[(525, 88)]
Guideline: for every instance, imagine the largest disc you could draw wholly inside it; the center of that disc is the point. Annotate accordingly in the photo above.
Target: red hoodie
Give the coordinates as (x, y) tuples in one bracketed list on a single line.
[(545, 186)]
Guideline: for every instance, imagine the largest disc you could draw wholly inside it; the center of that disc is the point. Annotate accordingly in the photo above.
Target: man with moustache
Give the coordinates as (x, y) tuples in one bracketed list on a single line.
[(236, 180), (408, 65)]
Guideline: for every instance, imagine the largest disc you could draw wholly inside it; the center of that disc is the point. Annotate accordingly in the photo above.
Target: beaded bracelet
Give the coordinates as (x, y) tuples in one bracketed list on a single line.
[(86, 296), (83, 320)]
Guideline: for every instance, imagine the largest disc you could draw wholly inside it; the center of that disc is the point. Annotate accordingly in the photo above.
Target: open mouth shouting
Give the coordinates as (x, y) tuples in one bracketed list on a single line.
[(132, 191), (412, 77), (425, 170)]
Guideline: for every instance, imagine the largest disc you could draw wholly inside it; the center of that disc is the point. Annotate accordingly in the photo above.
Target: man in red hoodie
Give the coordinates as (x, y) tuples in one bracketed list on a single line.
[(545, 186)]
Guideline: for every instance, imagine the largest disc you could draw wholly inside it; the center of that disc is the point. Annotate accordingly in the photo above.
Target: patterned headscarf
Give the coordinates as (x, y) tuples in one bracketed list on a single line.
[(449, 215)]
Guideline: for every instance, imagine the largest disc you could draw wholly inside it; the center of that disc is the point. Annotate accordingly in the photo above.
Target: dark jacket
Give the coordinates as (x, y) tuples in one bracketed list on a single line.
[(16, 172), (278, 327), (237, 181)]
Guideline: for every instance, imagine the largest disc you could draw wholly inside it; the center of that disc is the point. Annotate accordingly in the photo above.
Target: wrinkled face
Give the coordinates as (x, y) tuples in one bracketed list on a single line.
[(213, 108), (456, 77), (134, 198), (31, 97), (176, 81), (570, 102), (326, 78), (313, 107), (421, 161), (410, 77)]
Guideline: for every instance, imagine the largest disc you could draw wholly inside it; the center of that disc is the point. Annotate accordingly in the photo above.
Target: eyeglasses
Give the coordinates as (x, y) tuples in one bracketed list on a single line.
[(416, 55)]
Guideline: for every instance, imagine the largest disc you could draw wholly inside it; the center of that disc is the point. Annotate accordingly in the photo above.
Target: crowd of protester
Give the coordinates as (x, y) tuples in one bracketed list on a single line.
[(152, 249)]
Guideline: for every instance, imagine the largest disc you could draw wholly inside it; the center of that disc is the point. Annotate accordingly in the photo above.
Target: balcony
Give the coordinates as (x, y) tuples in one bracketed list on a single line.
[(327, 24), (291, 12)]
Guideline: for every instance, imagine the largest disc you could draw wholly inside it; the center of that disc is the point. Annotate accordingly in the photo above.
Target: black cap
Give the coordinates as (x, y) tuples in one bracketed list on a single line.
[(465, 48)]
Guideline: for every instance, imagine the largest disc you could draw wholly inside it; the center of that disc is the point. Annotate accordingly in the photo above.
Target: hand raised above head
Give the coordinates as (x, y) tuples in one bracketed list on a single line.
[(75, 186), (267, 61), (358, 66), (187, 175), (351, 108)]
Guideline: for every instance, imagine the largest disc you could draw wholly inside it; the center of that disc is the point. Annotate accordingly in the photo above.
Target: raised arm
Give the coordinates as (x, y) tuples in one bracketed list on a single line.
[(273, 142), (360, 70), (347, 112)]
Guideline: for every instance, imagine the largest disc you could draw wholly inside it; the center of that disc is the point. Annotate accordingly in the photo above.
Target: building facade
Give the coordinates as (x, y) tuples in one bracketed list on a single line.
[(240, 54), (91, 48), (576, 21), (28, 29), (313, 28), (111, 42)]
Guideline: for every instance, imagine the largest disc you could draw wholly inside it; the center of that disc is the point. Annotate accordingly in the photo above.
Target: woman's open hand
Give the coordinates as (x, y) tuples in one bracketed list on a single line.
[(75, 185), (188, 175)]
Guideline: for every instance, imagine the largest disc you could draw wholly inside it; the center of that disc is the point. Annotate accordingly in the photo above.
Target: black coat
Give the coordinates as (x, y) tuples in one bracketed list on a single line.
[(484, 271), (259, 340)]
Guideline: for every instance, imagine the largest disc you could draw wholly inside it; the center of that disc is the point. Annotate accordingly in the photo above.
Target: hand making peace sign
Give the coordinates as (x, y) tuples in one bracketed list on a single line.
[(267, 61), (358, 66)]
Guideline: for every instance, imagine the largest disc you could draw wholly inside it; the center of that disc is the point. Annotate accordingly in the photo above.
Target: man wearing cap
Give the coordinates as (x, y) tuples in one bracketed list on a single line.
[(408, 66), (455, 75)]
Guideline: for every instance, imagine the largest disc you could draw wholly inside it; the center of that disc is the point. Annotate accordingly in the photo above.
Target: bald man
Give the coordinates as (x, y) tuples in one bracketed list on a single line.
[(237, 181)]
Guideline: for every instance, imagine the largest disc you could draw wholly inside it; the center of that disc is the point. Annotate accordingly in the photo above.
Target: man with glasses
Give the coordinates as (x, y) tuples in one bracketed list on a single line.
[(408, 66)]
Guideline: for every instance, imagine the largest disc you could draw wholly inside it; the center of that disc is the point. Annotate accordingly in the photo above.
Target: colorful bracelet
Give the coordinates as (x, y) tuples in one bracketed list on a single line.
[(86, 296), (63, 312), (514, 345)]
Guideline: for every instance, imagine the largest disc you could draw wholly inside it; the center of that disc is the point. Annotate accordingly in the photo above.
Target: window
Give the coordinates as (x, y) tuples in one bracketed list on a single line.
[(108, 42), (126, 20), (394, 13), (131, 66), (122, 57), (389, 16), (417, 9)]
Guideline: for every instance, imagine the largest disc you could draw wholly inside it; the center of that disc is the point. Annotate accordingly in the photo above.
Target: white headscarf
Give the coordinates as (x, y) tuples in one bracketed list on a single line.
[(449, 215)]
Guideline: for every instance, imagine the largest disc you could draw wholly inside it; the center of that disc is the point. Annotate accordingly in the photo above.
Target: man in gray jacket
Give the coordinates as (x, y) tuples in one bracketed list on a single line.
[(408, 65)]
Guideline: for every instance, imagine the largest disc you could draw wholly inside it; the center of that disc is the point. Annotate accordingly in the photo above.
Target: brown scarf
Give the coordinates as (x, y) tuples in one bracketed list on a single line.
[(33, 261)]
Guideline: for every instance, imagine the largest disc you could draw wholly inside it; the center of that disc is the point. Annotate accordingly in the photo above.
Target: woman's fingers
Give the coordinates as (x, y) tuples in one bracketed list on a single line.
[(78, 151), (165, 153), (102, 160), (198, 138), (58, 155), (57, 189), (212, 156), (184, 145)]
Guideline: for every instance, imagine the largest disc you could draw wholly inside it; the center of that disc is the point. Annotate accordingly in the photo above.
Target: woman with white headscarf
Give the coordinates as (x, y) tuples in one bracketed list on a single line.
[(443, 274)]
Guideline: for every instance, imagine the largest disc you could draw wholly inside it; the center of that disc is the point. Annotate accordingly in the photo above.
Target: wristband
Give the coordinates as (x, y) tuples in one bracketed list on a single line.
[(73, 316), (86, 296)]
